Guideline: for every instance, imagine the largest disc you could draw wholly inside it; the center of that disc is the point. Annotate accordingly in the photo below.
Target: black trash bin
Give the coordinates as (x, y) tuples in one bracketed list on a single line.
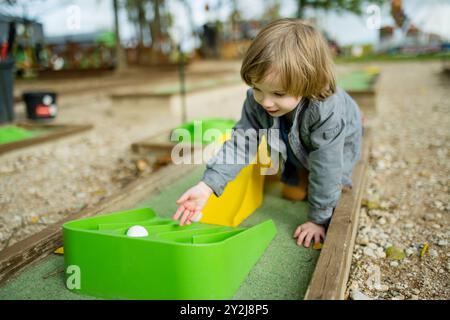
[(40, 104), (6, 90)]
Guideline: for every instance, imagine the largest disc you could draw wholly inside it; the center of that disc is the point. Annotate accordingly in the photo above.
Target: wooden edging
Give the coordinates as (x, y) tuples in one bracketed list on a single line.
[(166, 95), (329, 280), (160, 144), (32, 249), (61, 130)]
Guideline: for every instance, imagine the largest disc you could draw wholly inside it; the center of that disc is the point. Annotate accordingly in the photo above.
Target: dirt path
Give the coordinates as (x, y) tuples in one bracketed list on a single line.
[(407, 200)]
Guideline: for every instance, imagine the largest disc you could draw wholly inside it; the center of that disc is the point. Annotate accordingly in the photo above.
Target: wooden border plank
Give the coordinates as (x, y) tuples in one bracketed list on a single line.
[(61, 130), (330, 276), (32, 249), (169, 93)]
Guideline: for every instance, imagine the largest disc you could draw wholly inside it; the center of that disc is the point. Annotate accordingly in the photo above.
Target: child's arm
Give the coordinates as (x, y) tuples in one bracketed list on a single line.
[(222, 168), (325, 172), (325, 162)]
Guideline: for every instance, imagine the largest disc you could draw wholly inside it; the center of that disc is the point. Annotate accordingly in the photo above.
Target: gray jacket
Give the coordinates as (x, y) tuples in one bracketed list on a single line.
[(325, 137)]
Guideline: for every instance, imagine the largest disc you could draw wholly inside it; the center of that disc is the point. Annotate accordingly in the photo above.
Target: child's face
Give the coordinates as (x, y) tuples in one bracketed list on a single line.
[(273, 98)]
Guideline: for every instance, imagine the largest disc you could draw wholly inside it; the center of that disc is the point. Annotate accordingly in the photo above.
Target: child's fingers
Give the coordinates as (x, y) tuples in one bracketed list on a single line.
[(308, 238), (183, 197), (184, 217), (317, 238), (297, 231), (192, 215), (179, 212), (301, 237)]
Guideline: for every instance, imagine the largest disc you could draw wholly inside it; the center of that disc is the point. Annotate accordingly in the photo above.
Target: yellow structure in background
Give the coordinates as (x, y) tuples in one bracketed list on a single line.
[(242, 196)]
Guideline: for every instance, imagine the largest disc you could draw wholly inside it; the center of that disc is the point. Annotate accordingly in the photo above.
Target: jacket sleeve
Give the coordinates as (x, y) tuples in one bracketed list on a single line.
[(232, 156), (326, 164)]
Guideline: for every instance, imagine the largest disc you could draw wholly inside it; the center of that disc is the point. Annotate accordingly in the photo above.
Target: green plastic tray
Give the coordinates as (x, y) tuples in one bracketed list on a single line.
[(12, 133), (196, 261), (220, 124)]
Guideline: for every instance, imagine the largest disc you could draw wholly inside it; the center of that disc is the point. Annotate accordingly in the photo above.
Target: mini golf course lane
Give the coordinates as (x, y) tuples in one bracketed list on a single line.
[(12, 133), (357, 81), (283, 272)]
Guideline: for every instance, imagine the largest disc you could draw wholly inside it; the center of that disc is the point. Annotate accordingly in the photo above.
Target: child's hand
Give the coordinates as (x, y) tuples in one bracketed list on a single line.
[(192, 202), (308, 231)]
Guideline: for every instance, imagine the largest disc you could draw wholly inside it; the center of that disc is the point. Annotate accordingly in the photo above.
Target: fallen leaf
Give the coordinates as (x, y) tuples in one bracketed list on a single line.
[(60, 250), (395, 253), (424, 250), (317, 246)]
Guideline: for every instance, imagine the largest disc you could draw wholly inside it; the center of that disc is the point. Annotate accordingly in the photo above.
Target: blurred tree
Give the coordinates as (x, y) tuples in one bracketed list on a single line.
[(151, 17), (120, 55), (354, 6), (136, 14), (272, 10)]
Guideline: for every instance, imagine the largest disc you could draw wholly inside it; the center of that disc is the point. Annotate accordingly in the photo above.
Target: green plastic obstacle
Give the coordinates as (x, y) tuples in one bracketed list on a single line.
[(12, 133), (357, 81), (222, 125), (196, 261)]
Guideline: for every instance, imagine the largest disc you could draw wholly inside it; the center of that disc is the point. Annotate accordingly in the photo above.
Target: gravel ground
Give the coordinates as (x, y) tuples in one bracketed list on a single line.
[(401, 249)]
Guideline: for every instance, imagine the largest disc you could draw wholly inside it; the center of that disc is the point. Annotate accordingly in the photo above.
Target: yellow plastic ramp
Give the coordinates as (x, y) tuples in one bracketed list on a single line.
[(242, 196)]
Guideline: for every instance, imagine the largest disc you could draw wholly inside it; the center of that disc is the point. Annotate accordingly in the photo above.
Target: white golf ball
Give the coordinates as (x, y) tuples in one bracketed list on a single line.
[(197, 217), (137, 232)]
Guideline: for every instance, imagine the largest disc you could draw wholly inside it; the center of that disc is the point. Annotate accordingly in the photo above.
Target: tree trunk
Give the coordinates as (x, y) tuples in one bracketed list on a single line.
[(300, 8), (120, 56), (155, 29), (142, 23)]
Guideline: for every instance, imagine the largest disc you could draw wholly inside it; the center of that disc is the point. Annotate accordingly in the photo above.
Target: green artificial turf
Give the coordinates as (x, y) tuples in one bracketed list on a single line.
[(356, 81), (12, 133), (282, 272)]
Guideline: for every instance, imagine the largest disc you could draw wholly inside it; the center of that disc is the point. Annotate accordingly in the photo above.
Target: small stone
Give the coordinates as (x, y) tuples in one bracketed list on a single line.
[(428, 217), (435, 226), (358, 295), (394, 264), (416, 291), (433, 253), (409, 225), (380, 253), (363, 241), (369, 252), (382, 221), (381, 287), (409, 252), (443, 243)]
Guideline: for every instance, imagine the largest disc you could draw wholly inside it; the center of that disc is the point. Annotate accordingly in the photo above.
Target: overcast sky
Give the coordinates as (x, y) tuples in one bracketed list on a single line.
[(60, 17)]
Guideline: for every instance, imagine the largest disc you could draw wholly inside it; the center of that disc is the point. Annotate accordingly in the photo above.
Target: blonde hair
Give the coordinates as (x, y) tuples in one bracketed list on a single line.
[(297, 53)]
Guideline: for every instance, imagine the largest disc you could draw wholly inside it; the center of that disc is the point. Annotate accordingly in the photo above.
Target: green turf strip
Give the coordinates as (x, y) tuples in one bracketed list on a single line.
[(356, 81), (283, 272), (12, 133)]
